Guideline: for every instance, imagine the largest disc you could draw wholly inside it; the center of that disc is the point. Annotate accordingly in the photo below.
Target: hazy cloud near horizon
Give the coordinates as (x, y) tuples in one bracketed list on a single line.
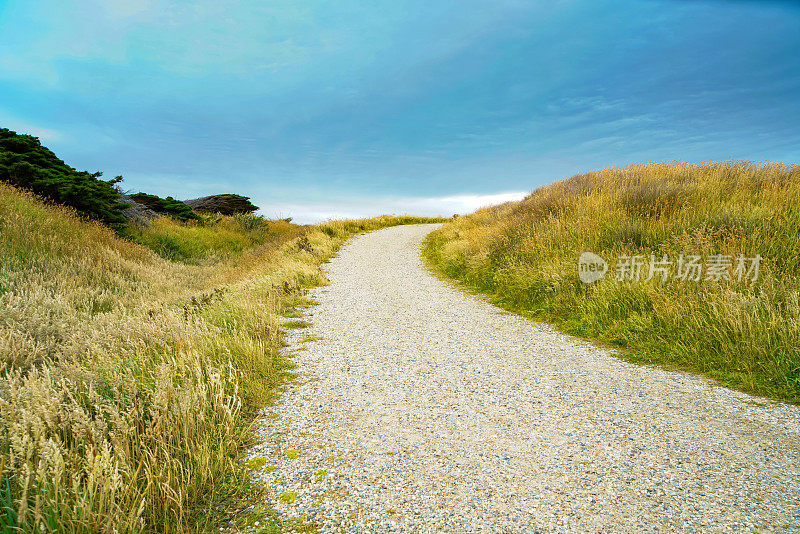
[(305, 213), (329, 109)]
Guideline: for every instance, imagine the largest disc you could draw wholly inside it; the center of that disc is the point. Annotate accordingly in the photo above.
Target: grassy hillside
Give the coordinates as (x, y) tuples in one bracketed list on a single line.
[(212, 239), (127, 379), (746, 334)]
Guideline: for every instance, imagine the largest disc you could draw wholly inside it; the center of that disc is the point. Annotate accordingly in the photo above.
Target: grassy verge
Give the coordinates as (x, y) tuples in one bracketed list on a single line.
[(746, 334), (128, 378)]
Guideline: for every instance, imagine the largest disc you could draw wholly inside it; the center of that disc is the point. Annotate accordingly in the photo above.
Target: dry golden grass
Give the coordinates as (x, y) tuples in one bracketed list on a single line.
[(747, 335), (127, 381)]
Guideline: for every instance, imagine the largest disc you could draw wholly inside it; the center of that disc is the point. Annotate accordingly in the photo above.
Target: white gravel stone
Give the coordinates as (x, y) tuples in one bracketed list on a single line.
[(425, 409)]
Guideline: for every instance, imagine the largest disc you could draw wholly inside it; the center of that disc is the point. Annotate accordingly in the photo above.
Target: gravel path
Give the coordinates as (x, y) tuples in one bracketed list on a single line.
[(424, 409)]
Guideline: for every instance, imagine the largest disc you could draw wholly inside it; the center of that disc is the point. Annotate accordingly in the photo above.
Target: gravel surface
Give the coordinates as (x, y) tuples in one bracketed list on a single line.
[(425, 409)]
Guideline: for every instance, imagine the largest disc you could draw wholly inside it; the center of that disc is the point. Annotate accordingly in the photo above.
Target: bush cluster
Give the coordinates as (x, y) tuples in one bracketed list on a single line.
[(25, 163), (167, 206)]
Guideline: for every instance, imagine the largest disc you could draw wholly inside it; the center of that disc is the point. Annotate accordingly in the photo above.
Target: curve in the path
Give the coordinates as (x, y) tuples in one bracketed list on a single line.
[(425, 409)]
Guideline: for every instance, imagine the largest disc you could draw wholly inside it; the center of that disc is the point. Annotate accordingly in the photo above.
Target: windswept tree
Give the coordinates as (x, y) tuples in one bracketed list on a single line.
[(26, 164)]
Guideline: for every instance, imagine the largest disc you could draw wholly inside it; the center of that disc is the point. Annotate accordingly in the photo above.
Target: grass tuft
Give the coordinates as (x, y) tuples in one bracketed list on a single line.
[(296, 324), (289, 497)]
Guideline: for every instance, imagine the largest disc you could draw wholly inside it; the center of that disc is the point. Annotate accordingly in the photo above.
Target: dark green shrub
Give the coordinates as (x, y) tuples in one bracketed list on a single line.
[(167, 206), (26, 164), (227, 204)]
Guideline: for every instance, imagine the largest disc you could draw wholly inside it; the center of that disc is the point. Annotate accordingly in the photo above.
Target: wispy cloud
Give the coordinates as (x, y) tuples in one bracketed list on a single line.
[(355, 208)]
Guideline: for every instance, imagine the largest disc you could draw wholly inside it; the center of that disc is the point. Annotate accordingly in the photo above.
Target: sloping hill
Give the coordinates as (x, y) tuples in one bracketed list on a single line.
[(742, 331), (122, 390), (127, 380)]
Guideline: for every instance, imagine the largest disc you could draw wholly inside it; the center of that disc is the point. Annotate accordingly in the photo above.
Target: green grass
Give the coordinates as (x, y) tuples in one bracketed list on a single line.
[(214, 238), (744, 334), (296, 324), (289, 497)]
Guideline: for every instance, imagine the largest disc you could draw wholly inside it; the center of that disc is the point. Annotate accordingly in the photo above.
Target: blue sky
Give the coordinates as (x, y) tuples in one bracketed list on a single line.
[(347, 108)]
